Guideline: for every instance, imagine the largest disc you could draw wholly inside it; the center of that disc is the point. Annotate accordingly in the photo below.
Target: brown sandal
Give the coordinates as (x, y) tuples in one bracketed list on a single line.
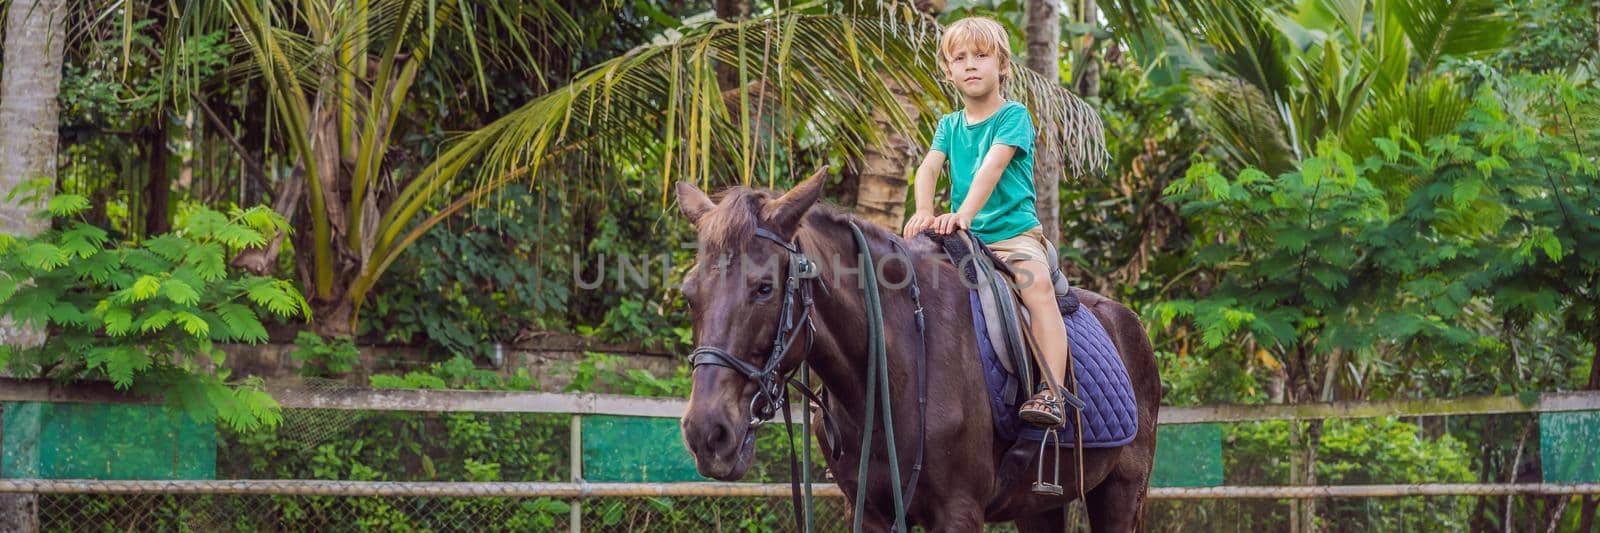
[(1043, 410)]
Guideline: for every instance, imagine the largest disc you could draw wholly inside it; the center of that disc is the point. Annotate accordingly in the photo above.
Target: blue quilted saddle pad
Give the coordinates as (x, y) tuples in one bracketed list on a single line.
[(1111, 418)]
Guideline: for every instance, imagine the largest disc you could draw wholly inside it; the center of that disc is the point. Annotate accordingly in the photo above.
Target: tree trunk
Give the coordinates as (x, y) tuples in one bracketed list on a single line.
[(886, 166), (29, 116), (331, 309), (1043, 38), (885, 169), (1087, 63), (728, 78), (158, 182), (1303, 442)]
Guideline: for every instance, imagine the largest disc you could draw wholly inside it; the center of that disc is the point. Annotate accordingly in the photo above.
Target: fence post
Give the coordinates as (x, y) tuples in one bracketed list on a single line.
[(575, 524)]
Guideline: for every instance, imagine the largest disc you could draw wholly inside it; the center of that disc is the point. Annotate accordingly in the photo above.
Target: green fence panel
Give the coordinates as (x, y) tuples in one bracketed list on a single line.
[(104, 441), (1188, 455), (1566, 446), (635, 449)]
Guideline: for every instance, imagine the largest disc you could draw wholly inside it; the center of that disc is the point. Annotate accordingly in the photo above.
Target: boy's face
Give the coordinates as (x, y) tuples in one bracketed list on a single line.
[(975, 72)]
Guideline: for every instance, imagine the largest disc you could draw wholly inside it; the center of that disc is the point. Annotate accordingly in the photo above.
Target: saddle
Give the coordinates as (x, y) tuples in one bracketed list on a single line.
[(1106, 408), (999, 299), (1110, 412)]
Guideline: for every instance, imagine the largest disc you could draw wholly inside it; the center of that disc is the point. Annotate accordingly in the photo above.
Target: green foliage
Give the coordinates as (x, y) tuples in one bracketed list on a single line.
[(599, 372), (1557, 34), (145, 316), (319, 358), (1351, 452), (457, 373), (479, 280), (1319, 260), (541, 260)]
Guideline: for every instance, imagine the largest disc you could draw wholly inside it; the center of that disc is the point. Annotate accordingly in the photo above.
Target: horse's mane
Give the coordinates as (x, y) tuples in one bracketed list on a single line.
[(734, 220)]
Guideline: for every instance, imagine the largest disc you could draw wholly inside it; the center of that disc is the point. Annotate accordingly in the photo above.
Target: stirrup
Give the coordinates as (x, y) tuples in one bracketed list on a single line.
[(1052, 488)]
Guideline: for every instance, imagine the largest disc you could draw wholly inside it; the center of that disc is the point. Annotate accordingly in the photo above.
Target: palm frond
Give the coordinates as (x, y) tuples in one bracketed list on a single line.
[(1247, 127), (828, 75), (1451, 27)]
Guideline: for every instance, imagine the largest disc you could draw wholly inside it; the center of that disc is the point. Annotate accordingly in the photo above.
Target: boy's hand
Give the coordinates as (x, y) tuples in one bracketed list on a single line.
[(952, 222), (920, 221)]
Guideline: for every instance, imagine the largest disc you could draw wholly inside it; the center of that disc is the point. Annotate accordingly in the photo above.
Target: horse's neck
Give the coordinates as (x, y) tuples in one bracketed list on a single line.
[(840, 354)]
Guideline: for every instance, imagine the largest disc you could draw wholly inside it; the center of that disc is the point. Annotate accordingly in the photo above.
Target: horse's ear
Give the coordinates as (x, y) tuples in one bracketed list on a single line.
[(785, 212), (693, 202)]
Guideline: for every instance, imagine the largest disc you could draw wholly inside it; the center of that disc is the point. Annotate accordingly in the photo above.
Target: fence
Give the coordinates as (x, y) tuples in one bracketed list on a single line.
[(547, 496)]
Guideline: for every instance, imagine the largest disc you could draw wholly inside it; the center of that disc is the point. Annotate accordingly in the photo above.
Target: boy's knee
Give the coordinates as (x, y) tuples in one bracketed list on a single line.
[(1034, 280)]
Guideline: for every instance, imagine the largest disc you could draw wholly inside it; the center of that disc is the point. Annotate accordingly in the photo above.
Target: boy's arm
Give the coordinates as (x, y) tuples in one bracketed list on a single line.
[(925, 187), (928, 180), (988, 175), (994, 165)]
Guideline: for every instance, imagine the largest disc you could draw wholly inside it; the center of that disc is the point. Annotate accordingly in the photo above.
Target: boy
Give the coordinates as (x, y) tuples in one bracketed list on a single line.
[(989, 145)]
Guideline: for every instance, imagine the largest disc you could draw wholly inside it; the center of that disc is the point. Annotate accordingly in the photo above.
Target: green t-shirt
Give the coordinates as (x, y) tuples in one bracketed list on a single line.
[(1009, 211)]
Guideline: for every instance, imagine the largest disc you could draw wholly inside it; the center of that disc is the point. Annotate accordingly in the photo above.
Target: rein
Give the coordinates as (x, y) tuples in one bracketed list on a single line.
[(878, 373), (771, 393)]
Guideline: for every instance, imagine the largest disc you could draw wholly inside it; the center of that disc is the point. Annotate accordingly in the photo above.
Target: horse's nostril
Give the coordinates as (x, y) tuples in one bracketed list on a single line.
[(719, 437)]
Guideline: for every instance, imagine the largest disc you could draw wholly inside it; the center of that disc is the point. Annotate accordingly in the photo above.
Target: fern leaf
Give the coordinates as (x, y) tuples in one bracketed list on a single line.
[(192, 324), (66, 313), (143, 261), (83, 240), (119, 362), (145, 287), (178, 292), (155, 321), (86, 232), (44, 256), (8, 287), (170, 247), (204, 224), (118, 321), (263, 219), (236, 236), (242, 322), (208, 261), (275, 298), (66, 205)]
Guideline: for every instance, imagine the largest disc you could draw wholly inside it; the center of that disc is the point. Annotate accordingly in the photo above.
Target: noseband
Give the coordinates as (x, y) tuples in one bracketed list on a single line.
[(769, 383)]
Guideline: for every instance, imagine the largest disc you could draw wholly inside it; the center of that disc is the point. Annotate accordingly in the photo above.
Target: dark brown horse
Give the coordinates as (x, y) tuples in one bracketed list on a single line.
[(737, 312)]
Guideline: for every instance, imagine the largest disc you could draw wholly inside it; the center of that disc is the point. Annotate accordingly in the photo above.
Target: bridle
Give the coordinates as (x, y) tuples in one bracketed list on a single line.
[(769, 395)]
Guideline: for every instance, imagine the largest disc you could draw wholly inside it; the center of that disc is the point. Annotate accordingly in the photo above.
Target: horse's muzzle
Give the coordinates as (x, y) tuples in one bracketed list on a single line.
[(722, 450)]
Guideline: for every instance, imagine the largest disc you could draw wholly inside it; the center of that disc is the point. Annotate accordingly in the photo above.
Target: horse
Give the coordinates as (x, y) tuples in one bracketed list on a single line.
[(746, 324)]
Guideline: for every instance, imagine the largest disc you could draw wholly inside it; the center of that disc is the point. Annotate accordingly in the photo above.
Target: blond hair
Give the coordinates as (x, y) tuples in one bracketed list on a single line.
[(981, 33)]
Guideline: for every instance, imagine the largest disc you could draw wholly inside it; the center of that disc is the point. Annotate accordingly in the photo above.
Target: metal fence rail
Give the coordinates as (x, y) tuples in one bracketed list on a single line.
[(308, 487), (294, 395), (536, 494)]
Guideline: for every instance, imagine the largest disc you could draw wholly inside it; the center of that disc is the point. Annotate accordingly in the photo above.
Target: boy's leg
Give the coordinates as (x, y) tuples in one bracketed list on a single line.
[(1051, 333), (1028, 253)]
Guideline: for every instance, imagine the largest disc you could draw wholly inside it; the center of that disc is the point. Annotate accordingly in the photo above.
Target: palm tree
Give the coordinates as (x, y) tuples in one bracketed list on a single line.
[(810, 76), (35, 43), (1275, 78), (1043, 37)]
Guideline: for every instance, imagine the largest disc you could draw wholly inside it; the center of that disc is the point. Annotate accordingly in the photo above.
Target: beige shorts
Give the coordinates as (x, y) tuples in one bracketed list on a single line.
[(1030, 245)]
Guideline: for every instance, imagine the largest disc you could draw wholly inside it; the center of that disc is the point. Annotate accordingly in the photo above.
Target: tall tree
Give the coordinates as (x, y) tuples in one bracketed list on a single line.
[(1043, 35), (1086, 65), (886, 164), (35, 41)]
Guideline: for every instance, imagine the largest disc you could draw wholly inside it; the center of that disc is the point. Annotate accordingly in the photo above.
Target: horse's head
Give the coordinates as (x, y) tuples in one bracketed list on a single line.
[(742, 291)]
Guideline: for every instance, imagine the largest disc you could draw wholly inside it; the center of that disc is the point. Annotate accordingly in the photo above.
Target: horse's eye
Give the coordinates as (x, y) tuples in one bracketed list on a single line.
[(764, 290)]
